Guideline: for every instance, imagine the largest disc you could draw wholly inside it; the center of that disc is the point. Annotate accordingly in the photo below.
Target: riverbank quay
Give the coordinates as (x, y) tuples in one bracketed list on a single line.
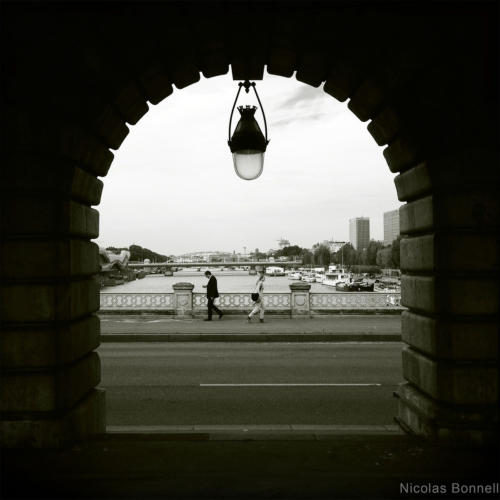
[(334, 328), (176, 466)]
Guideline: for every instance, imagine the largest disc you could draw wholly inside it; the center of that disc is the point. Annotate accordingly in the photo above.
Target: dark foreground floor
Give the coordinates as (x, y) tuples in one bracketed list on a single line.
[(335, 466)]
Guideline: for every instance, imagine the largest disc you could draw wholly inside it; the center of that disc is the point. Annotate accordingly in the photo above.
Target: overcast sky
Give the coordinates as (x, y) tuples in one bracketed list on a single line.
[(172, 186)]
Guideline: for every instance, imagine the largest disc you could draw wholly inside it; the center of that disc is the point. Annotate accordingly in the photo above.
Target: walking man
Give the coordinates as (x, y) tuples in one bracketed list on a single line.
[(212, 294)]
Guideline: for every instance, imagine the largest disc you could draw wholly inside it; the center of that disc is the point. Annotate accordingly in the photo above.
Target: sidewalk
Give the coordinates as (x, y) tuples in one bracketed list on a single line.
[(337, 328)]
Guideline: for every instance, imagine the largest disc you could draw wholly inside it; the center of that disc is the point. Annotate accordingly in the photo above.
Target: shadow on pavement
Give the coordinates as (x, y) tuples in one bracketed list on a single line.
[(179, 466)]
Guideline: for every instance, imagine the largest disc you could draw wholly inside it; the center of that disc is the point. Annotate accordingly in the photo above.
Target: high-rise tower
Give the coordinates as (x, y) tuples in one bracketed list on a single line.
[(391, 226), (359, 232)]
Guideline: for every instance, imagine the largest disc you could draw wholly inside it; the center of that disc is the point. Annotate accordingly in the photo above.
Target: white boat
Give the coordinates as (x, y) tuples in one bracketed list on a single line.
[(275, 271), (309, 278), (295, 276), (335, 277)]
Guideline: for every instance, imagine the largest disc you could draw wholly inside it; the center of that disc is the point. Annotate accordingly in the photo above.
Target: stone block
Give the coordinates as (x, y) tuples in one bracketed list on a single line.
[(25, 259), (86, 187), (78, 379), (73, 142), (46, 215), (109, 126), (156, 83), (312, 68), (385, 126), (468, 296), (476, 208), (131, 104), (417, 216), (30, 302), (185, 75), (401, 155), (367, 100), (214, 63), (282, 62), (417, 253), (84, 258), (248, 68), (449, 338), (461, 166), (83, 221), (419, 293), (342, 81), (461, 296), (467, 252), (59, 138), (48, 391), (27, 302), (86, 420), (37, 173), (42, 346), (447, 424), (414, 183), (452, 382)]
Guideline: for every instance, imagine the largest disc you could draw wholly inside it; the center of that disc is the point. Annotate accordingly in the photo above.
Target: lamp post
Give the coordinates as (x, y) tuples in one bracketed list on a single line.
[(247, 143)]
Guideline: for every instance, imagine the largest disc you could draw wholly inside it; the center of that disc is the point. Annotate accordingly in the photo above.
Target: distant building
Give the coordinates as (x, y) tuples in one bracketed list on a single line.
[(283, 242), (391, 226), (334, 246), (359, 232), (206, 256)]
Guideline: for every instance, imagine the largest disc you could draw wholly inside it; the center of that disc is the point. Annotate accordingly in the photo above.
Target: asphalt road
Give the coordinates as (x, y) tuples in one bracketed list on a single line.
[(152, 384)]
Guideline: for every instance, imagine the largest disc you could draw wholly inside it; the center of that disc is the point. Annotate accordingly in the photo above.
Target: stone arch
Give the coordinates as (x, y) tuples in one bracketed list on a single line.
[(68, 104)]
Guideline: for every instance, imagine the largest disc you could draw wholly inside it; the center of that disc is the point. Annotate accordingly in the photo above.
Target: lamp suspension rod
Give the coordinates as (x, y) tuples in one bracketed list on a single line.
[(232, 111), (261, 108)]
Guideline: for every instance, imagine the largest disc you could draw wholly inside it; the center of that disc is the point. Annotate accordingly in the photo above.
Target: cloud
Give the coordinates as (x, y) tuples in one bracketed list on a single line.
[(301, 95), (297, 117), (305, 103)]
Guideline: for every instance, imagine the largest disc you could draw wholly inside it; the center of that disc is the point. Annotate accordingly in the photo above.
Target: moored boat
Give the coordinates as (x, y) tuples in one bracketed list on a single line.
[(309, 278), (338, 276)]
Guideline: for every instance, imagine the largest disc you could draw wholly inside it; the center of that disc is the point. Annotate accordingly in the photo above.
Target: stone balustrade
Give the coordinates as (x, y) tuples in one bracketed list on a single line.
[(299, 302)]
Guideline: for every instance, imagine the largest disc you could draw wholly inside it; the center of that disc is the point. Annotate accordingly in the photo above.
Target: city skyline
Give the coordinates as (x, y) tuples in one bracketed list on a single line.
[(172, 187)]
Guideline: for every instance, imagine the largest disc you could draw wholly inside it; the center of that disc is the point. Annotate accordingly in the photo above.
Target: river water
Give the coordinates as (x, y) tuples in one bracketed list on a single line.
[(227, 281)]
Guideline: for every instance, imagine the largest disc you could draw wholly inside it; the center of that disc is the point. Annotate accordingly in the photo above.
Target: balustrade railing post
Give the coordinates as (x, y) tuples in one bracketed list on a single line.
[(299, 302), (183, 299)]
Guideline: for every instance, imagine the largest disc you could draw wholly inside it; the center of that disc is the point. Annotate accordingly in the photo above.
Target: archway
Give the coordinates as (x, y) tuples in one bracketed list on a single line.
[(68, 105), (172, 188)]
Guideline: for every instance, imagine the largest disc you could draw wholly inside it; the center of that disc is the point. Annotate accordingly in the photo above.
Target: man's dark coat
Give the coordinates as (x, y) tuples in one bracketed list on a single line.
[(212, 291)]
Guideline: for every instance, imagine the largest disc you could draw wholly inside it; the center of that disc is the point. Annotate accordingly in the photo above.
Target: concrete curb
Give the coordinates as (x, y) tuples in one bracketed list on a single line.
[(250, 337), (290, 432)]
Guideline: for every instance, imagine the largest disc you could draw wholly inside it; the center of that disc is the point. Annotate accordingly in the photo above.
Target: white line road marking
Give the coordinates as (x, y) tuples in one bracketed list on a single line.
[(290, 385)]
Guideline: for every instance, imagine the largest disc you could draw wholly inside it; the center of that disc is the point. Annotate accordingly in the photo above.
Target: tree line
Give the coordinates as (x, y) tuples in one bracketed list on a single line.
[(138, 253), (376, 254)]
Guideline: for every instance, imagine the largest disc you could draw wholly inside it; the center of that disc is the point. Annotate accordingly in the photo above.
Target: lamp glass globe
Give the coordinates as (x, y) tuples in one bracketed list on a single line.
[(248, 163)]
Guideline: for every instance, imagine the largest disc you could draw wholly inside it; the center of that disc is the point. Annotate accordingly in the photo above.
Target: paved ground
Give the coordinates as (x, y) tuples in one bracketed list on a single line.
[(337, 466), (275, 386), (369, 462), (355, 327)]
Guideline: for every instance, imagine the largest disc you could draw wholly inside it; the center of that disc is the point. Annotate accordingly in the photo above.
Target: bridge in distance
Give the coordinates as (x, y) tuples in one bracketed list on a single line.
[(290, 263)]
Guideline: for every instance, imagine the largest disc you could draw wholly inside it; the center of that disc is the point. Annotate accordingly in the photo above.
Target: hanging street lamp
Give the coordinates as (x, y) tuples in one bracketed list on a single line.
[(248, 144)]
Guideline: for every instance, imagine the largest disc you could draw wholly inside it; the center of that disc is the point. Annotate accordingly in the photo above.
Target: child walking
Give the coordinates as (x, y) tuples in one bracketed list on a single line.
[(258, 304)]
